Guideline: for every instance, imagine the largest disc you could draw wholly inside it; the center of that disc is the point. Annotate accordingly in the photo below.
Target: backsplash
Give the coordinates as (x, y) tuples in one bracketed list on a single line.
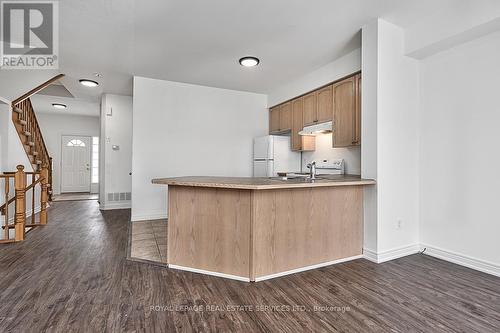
[(324, 150)]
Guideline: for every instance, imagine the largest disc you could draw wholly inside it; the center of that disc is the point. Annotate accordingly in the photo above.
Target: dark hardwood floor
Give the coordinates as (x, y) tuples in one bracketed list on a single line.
[(73, 276)]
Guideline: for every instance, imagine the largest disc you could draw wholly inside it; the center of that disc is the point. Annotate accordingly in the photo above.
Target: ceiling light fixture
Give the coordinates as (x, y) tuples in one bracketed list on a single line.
[(89, 83), (249, 61), (59, 106)]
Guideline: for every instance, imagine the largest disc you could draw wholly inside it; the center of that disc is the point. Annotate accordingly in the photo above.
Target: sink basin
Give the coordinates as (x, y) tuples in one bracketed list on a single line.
[(299, 179)]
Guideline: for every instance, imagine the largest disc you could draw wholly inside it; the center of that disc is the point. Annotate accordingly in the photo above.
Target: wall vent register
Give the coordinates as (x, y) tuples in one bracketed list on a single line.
[(119, 196)]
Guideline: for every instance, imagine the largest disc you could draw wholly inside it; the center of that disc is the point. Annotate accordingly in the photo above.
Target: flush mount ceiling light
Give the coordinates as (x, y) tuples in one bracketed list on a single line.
[(59, 106), (249, 61), (89, 83)]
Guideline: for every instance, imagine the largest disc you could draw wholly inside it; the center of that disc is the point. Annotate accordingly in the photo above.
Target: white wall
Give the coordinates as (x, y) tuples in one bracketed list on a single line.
[(393, 86), (459, 150), (397, 132), (53, 127), (369, 91), (116, 129), (348, 64), (324, 150), (183, 129)]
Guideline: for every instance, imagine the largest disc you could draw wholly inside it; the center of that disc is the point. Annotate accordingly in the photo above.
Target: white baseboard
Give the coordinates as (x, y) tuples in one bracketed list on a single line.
[(380, 257), (149, 216), (201, 271), (116, 205), (302, 269), (461, 259)]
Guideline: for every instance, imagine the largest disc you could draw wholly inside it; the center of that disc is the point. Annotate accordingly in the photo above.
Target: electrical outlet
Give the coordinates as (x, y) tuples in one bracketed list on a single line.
[(399, 224)]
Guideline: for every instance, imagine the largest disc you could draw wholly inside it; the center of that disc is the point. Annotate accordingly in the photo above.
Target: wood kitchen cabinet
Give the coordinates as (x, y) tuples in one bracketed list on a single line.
[(347, 112), (339, 102), (274, 119), (286, 117), (325, 104), (280, 118), (299, 142), (310, 108), (318, 106)]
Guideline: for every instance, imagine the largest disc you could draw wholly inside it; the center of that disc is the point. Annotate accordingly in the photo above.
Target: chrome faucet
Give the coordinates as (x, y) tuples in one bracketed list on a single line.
[(312, 170)]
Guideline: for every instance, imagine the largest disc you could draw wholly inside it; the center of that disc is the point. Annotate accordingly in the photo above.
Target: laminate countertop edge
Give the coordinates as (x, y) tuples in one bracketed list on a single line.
[(262, 183)]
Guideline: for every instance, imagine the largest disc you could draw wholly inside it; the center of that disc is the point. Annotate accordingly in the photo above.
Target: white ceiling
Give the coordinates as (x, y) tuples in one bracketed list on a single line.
[(200, 42), (75, 106)]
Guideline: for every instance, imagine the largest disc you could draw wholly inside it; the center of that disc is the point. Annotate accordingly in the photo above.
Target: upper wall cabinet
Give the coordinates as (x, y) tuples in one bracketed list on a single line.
[(286, 117), (347, 112), (274, 119), (280, 118), (300, 143), (310, 108), (325, 104), (339, 101), (318, 106)]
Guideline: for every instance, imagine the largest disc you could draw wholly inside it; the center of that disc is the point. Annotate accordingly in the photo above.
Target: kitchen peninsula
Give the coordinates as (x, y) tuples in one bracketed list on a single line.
[(253, 229)]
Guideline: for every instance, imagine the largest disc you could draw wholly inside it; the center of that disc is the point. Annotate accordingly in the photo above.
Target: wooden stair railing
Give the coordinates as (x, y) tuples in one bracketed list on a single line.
[(29, 132), (20, 180)]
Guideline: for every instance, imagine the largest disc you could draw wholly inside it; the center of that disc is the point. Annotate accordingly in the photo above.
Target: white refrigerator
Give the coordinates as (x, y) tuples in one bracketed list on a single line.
[(273, 154)]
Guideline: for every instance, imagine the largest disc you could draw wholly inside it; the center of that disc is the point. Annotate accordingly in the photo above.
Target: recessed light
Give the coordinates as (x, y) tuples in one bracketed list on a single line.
[(249, 61), (59, 106), (89, 83)]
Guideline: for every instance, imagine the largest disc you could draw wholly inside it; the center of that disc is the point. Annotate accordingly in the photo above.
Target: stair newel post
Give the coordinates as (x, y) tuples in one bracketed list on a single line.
[(20, 217), (51, 190), (44, 174)]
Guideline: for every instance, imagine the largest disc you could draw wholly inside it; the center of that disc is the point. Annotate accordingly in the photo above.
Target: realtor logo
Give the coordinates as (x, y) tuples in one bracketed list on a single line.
[(29, 35)]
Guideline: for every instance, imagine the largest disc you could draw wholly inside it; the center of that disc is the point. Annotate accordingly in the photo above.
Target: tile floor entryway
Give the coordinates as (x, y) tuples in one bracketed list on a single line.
[(149, 240)]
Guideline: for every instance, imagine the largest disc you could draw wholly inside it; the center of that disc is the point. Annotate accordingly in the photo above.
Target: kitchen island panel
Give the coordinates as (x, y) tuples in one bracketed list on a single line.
[(294, 229), (209, 229)]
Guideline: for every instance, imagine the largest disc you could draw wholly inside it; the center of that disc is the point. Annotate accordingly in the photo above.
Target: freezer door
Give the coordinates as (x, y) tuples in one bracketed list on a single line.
[(263, 168), (263, 147)]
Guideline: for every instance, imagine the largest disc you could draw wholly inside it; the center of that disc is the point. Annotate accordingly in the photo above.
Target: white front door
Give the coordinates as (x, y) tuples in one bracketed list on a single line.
[(75, 163)]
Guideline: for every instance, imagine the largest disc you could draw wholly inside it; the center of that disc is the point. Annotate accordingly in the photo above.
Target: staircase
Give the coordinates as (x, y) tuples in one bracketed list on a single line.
[(29, 132)]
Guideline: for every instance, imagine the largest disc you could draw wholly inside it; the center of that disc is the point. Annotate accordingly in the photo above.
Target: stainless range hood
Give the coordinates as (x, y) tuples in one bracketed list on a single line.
[(317, 129)]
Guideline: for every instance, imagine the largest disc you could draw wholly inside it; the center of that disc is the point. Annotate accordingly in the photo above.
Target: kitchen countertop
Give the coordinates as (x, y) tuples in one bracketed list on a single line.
[(249, 183)]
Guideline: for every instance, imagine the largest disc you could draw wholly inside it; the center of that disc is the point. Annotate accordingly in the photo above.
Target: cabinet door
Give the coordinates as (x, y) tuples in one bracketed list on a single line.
[(286, 116), (274, 119), (344, 110), (310, 108), (357, 114), (297, 123), (325, 104)]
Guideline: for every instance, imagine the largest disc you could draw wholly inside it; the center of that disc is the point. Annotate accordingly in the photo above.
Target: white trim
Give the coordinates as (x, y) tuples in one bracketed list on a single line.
[(302, 269), (154, 216), (116, 205), (463, 260), (201, 271), (370, 255), (392, 254)]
